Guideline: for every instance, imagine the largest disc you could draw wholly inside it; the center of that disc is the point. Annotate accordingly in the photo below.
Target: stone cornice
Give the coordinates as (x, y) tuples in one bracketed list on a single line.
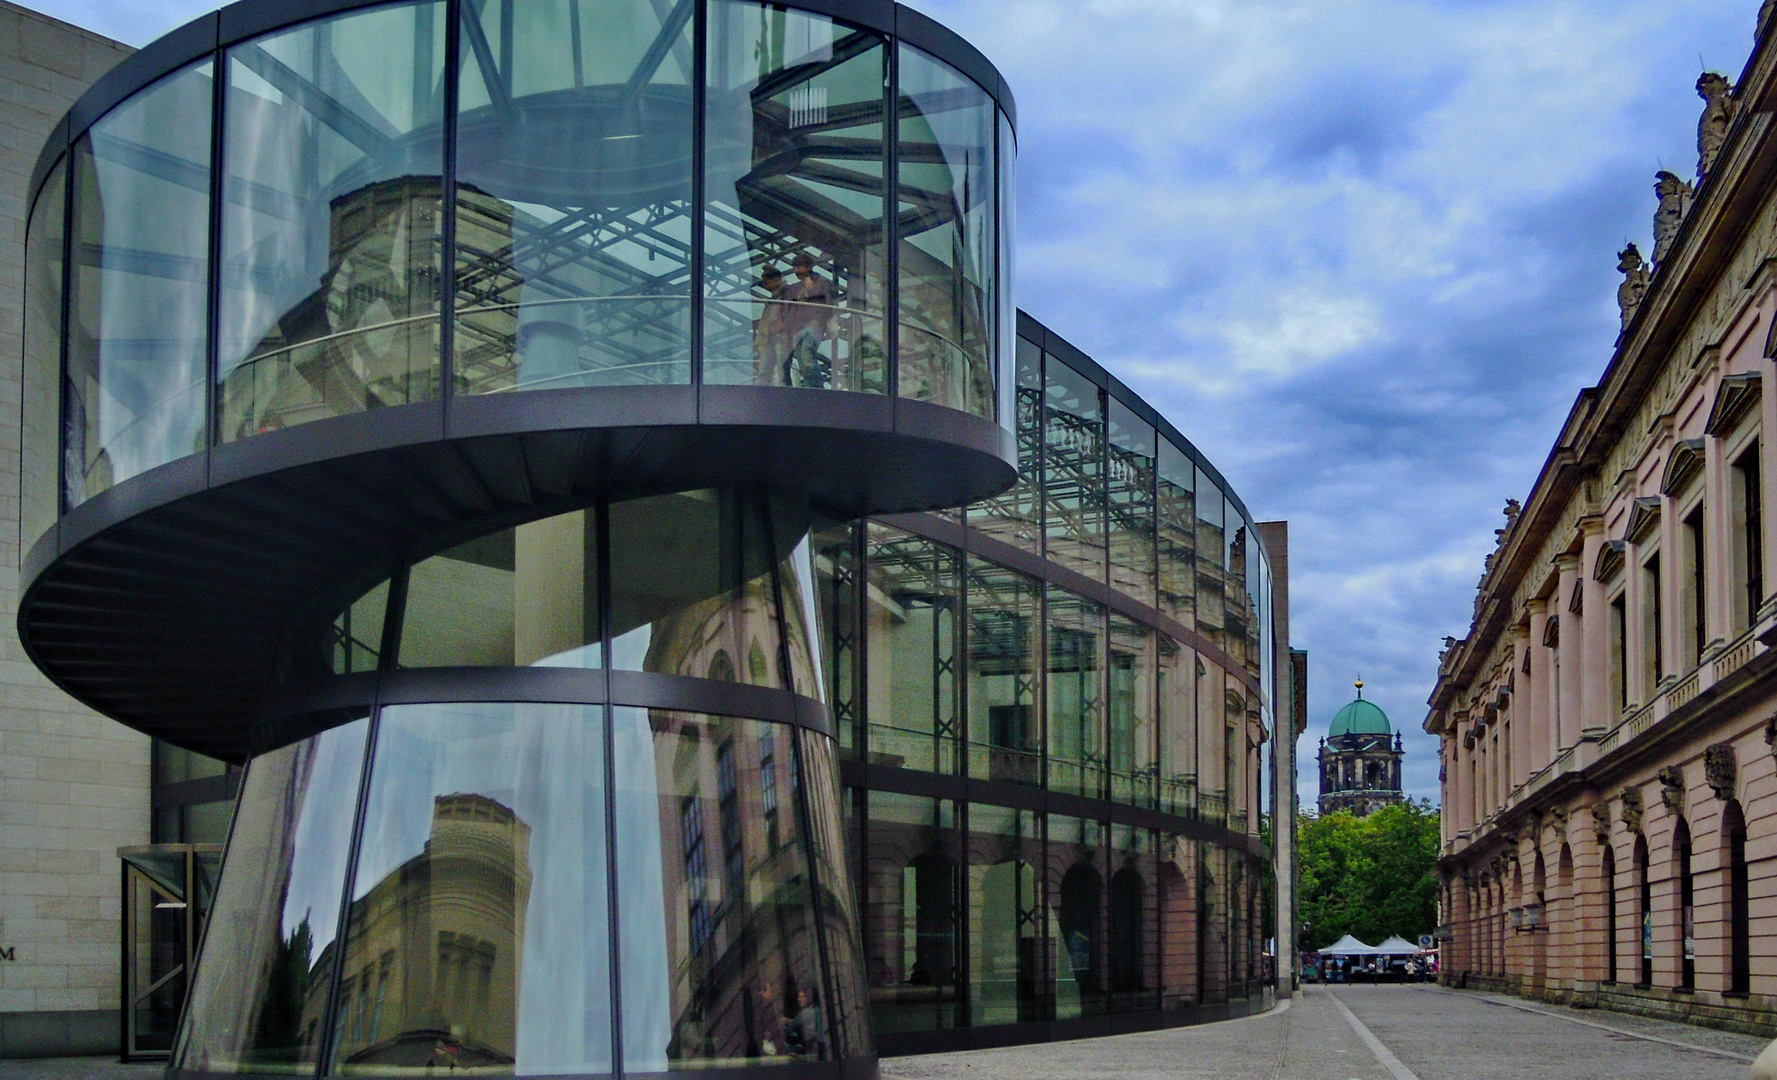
[(1710, 238)]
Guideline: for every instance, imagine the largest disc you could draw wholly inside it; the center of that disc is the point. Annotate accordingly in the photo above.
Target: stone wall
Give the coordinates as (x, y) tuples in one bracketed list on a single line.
[(73, 785)]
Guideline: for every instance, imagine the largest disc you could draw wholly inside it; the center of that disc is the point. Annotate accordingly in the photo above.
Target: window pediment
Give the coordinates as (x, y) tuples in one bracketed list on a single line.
[(1644, 518), (1611, 558), (1683, 466), (1736, 398)]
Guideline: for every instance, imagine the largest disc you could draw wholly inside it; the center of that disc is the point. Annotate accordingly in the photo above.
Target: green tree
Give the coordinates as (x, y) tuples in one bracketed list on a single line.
[(1371, 876)]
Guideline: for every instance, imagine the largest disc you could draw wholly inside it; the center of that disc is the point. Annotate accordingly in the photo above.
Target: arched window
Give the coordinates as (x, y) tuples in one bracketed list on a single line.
[(934, 921), (1127, 889), (1609, 874), (1733, 829), (1687, 939), (1644, 909), (1081, 891)]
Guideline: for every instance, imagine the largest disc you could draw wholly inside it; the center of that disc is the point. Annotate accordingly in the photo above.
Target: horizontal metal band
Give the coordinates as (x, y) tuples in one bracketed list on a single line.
[(1038, 800), (299, 712), (975, 542), (168, 601)]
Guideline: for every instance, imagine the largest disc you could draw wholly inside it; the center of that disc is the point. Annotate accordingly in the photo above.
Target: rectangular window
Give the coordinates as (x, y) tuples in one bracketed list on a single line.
[(1619, 651), (1653, 667), (1696, 588), (1748, 537)]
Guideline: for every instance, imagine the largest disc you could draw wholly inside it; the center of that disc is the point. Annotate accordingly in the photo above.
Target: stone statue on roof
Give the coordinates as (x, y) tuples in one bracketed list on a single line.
[(1634, 283), (1675, 199), (1718, 112)]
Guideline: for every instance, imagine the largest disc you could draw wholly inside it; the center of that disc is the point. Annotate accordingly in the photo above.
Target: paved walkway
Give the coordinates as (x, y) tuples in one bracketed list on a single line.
[(1324, 1033), (1375, 1033)]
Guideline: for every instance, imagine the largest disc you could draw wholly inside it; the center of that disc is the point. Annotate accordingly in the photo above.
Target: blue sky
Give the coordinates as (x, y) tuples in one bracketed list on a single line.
[(1361, 251)]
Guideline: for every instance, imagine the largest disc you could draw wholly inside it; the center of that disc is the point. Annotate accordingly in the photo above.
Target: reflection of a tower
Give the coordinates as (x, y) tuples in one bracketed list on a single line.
[(435, 988), (366, 336)]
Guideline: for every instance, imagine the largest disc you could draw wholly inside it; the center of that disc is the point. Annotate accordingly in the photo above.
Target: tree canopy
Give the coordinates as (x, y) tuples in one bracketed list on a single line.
[(1370, 876)]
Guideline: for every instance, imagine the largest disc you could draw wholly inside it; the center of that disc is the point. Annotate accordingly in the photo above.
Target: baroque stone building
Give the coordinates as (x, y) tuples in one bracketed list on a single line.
[(1608, 775), (1360, 765)]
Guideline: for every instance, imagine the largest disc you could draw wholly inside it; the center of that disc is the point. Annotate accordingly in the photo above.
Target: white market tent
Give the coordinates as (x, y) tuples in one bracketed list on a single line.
[(1396, 945), (1349, 946)]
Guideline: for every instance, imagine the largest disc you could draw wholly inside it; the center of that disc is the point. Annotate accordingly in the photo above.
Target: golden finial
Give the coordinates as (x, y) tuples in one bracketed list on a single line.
[(1360, 689)]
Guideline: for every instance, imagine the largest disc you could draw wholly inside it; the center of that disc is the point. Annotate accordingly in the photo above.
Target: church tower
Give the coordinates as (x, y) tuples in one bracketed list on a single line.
[(1360, 764)]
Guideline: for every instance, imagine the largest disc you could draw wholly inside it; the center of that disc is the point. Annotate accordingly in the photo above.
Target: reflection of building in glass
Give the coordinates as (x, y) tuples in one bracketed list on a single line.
[(673, 611), (438, 944)]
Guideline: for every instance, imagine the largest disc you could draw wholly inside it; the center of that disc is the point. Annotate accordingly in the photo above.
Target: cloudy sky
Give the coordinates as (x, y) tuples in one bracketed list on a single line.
[(1362, 251)]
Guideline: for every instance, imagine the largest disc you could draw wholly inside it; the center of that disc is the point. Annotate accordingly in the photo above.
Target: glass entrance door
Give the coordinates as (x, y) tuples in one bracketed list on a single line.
[(166, 894)]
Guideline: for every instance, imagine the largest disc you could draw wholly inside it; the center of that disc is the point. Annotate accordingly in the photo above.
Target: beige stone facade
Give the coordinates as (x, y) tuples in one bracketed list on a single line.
[(1608, 724), (74, 786)]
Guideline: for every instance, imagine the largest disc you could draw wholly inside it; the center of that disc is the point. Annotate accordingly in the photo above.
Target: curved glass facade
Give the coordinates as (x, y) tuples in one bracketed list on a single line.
[(569, 751), (553, 887), (379, 207), (1053, 710)]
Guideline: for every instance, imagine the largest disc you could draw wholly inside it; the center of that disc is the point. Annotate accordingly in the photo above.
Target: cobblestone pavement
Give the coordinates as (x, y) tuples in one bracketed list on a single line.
[(1423, 1032)]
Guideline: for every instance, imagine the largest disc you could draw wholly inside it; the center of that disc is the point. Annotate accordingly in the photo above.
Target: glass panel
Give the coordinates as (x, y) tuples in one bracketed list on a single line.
[(44, 264), (331, 194), (720, 957), (797, 582), (357, 643), (1017, 516), (913, 911), (1176, 534), (1180, 673), (1076, 893), (1130, 711), (915, 605), (692, 591), (948, 251), (479, 935), (1237, 618), (1005, 634), (795, 235), (176, 765), (268, 957), (1077, 756), (1005, 335), (1012, 940), (527, 596), (836, 573), (848, 1005), (1181, 924), (836, 569), (1129, 485), (1212, 921), (1073, 470), (135, 392), (574, 195), (1131, 917), (1210, 559)]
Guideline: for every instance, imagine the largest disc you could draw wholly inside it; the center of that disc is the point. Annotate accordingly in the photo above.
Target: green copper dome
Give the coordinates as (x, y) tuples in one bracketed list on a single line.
[(1360, 718)]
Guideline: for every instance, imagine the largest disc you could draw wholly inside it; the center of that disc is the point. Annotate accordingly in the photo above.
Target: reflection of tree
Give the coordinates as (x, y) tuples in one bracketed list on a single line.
[(286, 988)]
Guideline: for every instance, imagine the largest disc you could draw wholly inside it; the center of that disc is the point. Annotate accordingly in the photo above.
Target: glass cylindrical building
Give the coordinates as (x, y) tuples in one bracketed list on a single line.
[(529, 435)]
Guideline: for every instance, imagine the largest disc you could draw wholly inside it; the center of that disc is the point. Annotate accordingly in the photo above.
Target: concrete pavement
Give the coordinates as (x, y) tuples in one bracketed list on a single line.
[(1415, 1033), (1324, 1033)]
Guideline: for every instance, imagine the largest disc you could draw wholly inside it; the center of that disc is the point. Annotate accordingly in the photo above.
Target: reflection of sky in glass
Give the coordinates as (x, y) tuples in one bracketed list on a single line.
[(641, 896), (323, 833), (545, 764)]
